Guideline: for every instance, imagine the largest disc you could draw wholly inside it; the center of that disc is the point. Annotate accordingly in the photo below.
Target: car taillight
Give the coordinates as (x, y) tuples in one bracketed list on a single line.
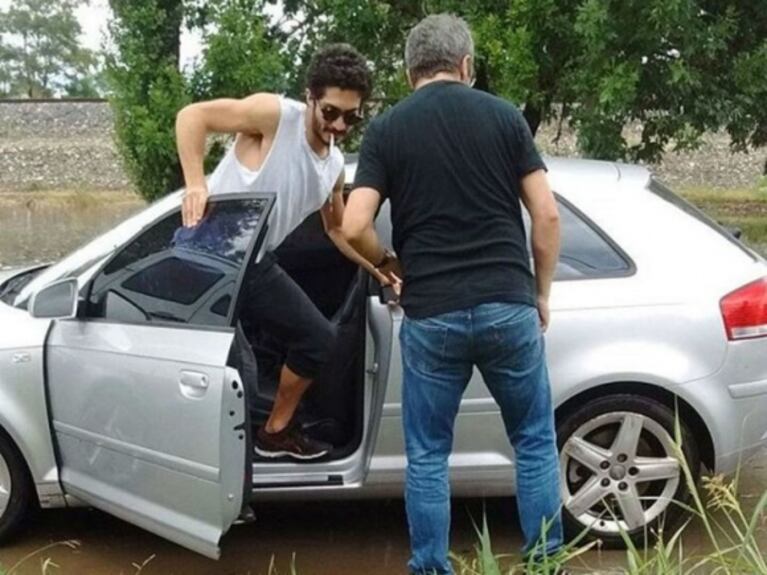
[(745, 311)]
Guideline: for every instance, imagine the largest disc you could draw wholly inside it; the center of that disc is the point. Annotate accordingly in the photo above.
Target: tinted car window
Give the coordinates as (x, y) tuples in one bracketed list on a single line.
[(585, 251), (174, 274)]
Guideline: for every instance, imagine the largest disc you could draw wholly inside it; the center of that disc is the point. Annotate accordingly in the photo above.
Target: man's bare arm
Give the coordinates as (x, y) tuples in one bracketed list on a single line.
[(332, 218), (359, 230), (258, 114), (358, 223), (540, 202)]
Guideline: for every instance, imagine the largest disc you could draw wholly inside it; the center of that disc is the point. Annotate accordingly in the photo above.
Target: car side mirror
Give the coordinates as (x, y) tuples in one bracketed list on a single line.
[(58, 300)]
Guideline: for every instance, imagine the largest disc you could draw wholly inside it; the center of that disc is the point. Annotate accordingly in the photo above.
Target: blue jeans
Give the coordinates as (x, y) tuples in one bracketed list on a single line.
[(504, 341)]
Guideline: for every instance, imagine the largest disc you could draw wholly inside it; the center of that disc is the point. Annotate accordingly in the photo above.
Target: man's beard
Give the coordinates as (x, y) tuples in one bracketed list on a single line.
[(325, 136)]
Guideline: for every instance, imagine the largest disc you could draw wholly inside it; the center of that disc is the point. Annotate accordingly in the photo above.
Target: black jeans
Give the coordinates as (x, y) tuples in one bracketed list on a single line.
[(274, 302)]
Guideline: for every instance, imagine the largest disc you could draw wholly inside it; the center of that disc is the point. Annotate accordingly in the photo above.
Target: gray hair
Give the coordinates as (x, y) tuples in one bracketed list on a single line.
[(437, 43)]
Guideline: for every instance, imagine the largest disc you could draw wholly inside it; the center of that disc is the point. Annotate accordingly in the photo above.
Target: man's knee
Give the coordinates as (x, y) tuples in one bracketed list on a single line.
[(309, 356)]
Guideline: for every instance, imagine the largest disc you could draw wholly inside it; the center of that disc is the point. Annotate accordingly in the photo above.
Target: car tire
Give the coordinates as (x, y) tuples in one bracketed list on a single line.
[(619, 473), (15, 489)]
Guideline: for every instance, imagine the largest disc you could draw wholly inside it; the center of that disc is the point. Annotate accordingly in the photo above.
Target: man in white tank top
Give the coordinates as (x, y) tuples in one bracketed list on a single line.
[(287, 147)]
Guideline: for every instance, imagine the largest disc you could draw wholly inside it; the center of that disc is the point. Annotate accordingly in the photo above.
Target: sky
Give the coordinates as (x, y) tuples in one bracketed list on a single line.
[(93, 22), (93, 18)]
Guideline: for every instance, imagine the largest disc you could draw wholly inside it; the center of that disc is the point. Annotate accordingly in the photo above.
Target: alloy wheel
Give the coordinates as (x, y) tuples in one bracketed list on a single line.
[(6, 485), (619, 472)]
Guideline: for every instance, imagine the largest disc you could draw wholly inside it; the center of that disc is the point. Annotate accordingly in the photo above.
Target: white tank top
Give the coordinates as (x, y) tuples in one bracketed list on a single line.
[(301, 179)]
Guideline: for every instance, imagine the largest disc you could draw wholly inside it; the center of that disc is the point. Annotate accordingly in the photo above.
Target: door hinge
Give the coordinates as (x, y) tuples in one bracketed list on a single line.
[(372, 370)]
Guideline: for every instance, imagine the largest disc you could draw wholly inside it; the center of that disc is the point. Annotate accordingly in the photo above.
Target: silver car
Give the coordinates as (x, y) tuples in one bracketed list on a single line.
[(129, 382)]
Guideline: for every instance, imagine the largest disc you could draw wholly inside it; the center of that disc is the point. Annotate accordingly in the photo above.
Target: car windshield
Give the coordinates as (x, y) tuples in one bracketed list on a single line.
[(85, 259)]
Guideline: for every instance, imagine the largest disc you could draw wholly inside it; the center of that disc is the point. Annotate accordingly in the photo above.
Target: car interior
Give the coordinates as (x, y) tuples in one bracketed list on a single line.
[(332, 408)]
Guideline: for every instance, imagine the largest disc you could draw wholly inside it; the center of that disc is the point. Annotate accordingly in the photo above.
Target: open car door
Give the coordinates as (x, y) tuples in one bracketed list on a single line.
[(148, 414)]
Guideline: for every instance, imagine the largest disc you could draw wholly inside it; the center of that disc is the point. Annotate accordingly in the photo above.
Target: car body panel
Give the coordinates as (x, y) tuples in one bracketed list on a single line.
[(141, 442), (24, 415)]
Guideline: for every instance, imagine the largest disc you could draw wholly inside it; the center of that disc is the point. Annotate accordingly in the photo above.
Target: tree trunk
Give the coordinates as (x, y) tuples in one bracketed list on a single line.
[(533, 116), (171, 33), (482, 77)]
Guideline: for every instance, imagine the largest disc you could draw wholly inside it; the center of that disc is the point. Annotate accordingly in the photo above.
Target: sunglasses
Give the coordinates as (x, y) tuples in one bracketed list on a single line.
[(331, 114)]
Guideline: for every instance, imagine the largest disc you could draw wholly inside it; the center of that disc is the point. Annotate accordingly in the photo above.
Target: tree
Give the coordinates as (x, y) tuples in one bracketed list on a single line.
[(147, 90), (39, 51), (674, 68), (743, 73), (240, 56), (670, 69)]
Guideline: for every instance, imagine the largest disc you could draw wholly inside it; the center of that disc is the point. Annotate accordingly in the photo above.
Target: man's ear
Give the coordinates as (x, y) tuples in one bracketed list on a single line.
[(409, 80), (308, 96), (467, 68)]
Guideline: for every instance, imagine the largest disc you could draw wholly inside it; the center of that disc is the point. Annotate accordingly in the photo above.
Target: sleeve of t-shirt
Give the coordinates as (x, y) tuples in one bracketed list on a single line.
[(525, 154), (371, 164)]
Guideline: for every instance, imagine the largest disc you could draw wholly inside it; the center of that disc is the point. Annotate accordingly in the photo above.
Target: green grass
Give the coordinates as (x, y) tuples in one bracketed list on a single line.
[(745, 209), (731, 532)]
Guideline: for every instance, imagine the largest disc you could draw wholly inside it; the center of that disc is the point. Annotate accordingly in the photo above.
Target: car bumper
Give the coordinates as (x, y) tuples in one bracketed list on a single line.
[(733, 404)]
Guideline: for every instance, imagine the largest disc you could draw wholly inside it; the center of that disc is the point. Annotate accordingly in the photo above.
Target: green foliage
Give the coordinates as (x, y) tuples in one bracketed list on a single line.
[(376, 28), (239, 57), (147, 91), (632, 77), (39, 51)]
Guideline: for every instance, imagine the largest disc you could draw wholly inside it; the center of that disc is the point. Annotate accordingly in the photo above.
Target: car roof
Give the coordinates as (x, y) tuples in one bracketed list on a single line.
[(567, 175)]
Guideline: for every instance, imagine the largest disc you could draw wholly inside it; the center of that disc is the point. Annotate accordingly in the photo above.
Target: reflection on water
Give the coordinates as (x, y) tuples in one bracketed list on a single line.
[(38, 228)]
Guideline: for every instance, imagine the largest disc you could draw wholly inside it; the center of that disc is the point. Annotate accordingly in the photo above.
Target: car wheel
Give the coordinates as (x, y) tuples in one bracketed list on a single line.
[(15, 488), (619, 470)]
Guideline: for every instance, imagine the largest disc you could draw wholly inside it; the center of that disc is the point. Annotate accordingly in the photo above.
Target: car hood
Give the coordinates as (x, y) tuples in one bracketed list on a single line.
[(10, 272), (5, 274)]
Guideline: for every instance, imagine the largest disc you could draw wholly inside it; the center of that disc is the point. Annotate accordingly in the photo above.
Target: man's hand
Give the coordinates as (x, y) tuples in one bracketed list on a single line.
[(193, 206), (392, 271), (544, 313)]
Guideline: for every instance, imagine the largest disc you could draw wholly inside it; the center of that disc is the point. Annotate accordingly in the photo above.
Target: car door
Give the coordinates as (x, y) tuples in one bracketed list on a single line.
[(148, 415)]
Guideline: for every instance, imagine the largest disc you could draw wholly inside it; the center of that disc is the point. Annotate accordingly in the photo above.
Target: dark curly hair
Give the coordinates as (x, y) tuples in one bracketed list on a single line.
[(338, 66)]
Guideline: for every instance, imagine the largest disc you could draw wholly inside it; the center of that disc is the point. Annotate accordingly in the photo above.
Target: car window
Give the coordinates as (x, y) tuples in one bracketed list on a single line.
[(96, 251), (585, 251), (169, 273)]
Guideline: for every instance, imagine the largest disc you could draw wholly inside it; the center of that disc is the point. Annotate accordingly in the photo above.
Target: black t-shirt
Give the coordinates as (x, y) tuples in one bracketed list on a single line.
[(450, 160)]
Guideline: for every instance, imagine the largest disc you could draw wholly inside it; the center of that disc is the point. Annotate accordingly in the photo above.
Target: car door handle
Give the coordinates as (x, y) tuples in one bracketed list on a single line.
[(193, 384)]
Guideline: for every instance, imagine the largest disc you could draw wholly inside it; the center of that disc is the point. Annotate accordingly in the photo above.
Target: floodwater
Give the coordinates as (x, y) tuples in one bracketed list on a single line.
[(37, 228), (320, 538)]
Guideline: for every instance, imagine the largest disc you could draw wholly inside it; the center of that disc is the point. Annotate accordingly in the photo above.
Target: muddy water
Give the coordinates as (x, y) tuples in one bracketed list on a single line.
[(322, 538), (325, 538), (43, 227)]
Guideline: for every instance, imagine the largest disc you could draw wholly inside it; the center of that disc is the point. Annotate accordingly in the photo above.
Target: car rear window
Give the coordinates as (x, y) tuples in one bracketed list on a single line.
[(666, 194), (585, 252)]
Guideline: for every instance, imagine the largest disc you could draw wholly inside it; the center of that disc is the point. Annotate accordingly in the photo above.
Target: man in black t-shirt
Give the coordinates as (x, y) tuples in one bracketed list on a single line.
[(455, 163)]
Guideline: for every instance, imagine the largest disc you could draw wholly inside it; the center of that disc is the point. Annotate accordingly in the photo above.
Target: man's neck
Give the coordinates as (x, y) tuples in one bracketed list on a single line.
[(438, 77), (315, 142)]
